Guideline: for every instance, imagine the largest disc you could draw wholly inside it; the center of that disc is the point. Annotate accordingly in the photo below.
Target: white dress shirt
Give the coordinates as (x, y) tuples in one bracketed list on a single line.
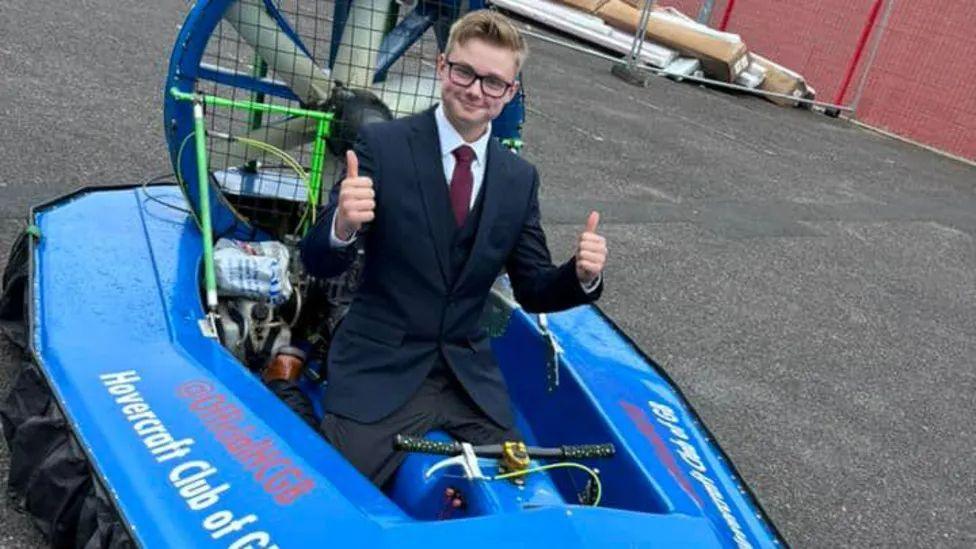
[(450, 140)]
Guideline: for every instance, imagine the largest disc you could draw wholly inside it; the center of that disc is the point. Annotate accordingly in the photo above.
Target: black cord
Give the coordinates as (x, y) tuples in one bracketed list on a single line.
[(161, 178)]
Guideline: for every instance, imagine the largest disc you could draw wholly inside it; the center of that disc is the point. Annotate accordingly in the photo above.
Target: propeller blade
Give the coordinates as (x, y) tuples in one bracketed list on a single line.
[(355, 61), (289, 63), (407, 94), (286, 134)]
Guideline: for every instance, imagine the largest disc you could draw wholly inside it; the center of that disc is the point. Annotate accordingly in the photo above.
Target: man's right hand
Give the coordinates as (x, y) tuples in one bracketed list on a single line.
[(357, 202)]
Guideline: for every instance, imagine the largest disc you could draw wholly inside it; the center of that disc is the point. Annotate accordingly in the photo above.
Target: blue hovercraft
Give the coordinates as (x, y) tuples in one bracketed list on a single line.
[(142, 415)]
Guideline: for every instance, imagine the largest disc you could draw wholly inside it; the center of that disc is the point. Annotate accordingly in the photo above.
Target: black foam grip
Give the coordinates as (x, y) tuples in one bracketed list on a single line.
[(418, 444), (589, 451)]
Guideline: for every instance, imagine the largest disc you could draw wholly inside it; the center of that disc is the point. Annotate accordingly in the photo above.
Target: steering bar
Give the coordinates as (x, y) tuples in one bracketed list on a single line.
[(422, 445)]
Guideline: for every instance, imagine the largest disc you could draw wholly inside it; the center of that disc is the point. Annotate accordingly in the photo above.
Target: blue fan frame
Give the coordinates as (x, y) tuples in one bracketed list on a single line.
[(185, 71)]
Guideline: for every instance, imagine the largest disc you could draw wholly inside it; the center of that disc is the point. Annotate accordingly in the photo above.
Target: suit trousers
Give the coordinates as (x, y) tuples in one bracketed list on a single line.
[(440, 403)]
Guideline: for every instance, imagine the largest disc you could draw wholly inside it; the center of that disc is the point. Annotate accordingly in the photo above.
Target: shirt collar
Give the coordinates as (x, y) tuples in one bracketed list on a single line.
[(450, 138)]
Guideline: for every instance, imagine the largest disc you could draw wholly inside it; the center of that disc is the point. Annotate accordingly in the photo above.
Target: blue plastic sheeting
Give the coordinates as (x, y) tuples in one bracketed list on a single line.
[(197, 452)]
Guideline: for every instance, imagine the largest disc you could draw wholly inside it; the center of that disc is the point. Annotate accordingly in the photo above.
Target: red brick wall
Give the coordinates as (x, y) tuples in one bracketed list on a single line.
[(922, 84)]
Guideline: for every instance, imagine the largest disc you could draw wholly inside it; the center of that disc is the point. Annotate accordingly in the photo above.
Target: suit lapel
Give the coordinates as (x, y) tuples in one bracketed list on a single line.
[(493, 192), (425, 147)]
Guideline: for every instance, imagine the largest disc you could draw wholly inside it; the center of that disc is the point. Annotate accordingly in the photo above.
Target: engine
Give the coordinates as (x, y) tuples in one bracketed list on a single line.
[(276, 319)]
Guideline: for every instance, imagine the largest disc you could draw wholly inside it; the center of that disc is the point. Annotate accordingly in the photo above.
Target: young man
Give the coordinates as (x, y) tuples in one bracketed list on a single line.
[(442, 209)]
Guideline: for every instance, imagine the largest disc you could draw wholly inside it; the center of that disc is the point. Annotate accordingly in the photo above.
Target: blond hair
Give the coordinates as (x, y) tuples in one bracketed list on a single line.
[(492, 27)]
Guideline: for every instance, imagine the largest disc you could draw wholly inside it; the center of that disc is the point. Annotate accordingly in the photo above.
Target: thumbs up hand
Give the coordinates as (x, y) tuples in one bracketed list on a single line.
[(356, 200), (591, 252)]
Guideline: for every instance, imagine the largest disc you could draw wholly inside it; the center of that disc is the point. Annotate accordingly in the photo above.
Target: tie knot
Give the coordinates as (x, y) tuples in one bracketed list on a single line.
[(464, 154)]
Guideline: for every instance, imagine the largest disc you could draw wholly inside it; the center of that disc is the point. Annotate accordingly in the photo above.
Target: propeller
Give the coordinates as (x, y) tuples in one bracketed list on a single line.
[(354, 65)]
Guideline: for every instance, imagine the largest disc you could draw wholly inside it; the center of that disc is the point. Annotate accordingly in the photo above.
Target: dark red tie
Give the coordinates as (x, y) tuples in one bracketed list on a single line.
[(461, 183)]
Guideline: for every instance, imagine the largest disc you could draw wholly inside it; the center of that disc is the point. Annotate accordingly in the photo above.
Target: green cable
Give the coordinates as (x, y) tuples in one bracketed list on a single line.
[(181, 181), (260, 145), (592, 473), (291, 163), (285, 157)]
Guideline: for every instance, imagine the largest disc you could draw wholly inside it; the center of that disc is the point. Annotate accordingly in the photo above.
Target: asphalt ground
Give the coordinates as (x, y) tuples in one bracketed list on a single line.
[(808, 284)]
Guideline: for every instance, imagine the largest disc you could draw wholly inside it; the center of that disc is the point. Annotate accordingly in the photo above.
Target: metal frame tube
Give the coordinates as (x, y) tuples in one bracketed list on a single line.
[(869, 64), (260, 71), (203, 188), (859, 50), (641, 34), (250, 105), (315, 173)]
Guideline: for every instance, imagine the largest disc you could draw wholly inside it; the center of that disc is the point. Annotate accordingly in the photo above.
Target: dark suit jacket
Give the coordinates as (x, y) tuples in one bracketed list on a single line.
[(411, 309)]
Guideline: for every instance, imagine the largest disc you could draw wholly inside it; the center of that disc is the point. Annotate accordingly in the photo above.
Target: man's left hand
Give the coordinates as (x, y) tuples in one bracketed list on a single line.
[(591, 252)]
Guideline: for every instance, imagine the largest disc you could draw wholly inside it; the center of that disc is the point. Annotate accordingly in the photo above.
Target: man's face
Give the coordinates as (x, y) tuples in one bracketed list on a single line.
[(469, 105)]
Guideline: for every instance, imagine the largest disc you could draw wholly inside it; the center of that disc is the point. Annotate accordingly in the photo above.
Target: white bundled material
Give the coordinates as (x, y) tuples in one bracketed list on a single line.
[(752, 77), (556, 15), (587, 27), (684, 66), (254, 270), (657, 55), (682, 19)]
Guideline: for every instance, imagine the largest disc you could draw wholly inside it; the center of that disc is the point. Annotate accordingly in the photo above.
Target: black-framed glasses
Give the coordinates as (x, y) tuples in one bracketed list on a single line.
[(463, 75)]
